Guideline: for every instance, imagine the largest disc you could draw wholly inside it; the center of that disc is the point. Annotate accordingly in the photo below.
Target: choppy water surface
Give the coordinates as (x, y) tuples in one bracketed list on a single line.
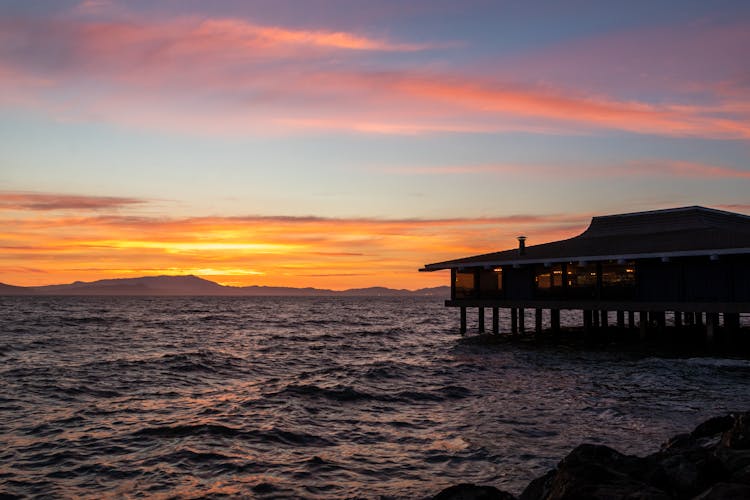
[(316, 398)]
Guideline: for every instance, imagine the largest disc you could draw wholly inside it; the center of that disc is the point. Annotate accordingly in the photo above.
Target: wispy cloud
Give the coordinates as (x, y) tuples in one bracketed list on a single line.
[(685, 169), (633, 168), (232, 76), (10, 200)]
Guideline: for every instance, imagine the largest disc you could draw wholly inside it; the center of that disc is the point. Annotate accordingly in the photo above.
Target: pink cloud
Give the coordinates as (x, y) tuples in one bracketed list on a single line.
[(231, 76), (687, 169), (643, 168)]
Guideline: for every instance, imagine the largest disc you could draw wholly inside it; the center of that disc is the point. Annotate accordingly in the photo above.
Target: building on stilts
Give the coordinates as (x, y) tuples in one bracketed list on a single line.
[(691, 263)]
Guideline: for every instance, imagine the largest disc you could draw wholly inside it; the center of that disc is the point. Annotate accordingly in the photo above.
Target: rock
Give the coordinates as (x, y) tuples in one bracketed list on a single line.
[(726, 491), (713, 426), (738, 436), (539, 488), (733, 460), (712, 462), (679, 441), (599, 472), (685, 473), (741, 475), (472, 492)]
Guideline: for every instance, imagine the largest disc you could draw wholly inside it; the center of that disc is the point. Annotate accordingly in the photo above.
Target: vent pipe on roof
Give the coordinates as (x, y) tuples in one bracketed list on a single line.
[(522, 245)]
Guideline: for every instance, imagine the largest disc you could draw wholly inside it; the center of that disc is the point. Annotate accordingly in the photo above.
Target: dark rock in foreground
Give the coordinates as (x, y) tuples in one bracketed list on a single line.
[(712, 462)]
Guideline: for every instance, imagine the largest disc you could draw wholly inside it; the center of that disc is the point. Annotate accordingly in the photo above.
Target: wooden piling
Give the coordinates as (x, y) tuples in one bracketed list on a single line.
[(480, 319), (587, 321), (495, 320), (732, 322), (462, 328), (538, 322), (712, 320), (554, 319)]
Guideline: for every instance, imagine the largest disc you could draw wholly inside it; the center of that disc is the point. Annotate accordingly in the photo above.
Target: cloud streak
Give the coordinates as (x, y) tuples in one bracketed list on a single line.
[(10, 200), (635, 168), (231, 76)]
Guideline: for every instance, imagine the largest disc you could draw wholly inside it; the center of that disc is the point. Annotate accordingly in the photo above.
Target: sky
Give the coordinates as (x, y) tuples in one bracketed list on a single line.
[(345, 143)]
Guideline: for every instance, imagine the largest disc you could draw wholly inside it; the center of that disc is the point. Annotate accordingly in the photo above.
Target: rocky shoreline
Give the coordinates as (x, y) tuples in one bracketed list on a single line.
[(711, 462)]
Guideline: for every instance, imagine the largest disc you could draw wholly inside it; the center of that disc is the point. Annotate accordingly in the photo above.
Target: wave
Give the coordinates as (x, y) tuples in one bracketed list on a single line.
[(275, 435), (346, 393), (719, 362)]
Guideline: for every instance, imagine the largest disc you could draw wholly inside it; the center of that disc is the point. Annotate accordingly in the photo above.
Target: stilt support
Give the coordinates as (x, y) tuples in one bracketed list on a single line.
[(554, 319), (587, 321), (480, 319), (538, 323), (495, 320), (463, 321), (643, 317), (732, 322), (513, 320), (521, 320), (620, 319), (712, 321)]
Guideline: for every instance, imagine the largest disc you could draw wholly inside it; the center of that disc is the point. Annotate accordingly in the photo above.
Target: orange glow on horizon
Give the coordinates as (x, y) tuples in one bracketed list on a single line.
[(51, 247)]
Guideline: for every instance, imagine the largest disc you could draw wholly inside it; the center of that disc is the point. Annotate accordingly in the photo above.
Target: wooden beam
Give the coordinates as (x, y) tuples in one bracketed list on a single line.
[(643, 322), (538, 324), (463, 321), (554, 319)]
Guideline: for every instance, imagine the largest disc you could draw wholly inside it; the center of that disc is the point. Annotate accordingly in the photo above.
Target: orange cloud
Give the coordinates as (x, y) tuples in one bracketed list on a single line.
[(235, 32), (281, 251)]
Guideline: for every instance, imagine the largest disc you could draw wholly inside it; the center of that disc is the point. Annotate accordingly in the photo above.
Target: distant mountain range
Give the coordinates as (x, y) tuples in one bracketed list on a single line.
[(193, 285)]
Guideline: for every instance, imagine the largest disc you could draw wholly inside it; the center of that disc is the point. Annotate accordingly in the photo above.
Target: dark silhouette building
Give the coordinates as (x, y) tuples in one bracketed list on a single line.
[(693, 262)]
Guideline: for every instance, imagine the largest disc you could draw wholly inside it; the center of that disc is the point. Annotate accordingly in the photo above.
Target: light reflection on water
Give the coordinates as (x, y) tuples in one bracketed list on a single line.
[(314, 397)]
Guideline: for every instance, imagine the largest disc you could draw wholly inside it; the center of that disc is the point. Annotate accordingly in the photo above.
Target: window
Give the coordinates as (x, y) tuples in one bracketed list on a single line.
[(549, 277), (499, 276), (581, 275), (618, 275), (465, 284), (491, 283)]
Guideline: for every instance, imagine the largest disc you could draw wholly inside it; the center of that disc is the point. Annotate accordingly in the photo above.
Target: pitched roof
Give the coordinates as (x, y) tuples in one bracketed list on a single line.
[(659, 233)]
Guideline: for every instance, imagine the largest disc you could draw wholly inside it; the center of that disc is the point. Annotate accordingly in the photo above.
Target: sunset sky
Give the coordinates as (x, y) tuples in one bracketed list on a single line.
[(340, 144)]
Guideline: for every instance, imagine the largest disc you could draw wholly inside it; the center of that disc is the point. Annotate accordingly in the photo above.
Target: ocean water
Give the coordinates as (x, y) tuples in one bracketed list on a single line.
[(312, 398)]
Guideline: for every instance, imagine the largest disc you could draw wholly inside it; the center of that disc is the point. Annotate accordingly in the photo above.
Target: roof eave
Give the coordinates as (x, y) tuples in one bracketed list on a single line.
[(588, 258)]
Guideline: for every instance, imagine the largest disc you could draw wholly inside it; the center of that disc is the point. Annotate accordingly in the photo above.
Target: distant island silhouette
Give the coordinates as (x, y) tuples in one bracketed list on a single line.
[(194, 285)]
